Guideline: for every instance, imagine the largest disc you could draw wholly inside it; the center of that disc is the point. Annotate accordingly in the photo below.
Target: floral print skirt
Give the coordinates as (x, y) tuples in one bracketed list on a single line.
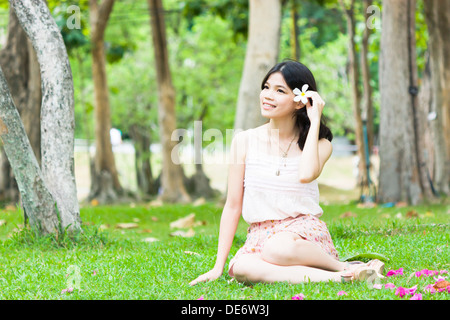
[(306, 226)]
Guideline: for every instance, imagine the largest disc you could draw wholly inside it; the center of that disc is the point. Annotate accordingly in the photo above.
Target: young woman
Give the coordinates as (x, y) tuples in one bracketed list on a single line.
[(272, 182)]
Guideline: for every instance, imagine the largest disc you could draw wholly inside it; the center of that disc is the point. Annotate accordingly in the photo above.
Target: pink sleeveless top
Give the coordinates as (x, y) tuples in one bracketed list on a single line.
[(268, 196)]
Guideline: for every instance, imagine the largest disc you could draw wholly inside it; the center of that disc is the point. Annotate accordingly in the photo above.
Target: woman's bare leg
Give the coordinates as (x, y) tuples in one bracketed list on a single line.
[(251, 268), (289, 249)]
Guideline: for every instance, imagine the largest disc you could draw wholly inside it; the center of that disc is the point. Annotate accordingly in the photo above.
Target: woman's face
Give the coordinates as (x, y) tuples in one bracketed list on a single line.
[(277, 99)]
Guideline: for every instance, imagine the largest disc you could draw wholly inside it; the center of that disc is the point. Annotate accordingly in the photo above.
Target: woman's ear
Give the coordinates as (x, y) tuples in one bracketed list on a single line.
[(299, 105)]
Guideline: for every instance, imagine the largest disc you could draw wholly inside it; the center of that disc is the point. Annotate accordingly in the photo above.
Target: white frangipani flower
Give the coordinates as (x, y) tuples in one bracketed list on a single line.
[(302, 95)]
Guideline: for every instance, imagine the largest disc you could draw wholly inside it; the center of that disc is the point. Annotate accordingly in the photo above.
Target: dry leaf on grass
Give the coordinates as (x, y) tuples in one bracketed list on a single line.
[(156, 203), (185, 222), (130, 225), (441, 284), (184, 234), (2, 222), (199, 202), (150, 239), (192, 253), (348, 214), (412, 214)]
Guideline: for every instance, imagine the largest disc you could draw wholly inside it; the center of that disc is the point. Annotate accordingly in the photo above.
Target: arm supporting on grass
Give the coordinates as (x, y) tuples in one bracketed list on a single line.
[(232, 209)]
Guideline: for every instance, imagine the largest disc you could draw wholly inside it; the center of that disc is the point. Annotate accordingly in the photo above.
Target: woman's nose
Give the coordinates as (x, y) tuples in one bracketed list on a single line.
[(268, 94)]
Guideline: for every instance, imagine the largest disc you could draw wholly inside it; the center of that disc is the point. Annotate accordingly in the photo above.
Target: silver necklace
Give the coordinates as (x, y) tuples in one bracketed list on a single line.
[(283, 153)]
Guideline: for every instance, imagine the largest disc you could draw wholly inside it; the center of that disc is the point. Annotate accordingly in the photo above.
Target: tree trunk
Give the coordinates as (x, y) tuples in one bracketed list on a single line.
[(173, 189), (437, 14), (199, 183), (37, 201), (401, 178), (356, 92), (22, 73), (105, 184), (262, 53), (367, 110), (295, 32), (144, 176), (57, 111)]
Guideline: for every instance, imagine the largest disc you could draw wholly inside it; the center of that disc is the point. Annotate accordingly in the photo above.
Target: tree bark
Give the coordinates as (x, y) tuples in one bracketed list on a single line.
[(21, 70), (401, 177), (57, 111), (367, 106), (295, 32), (262, 53), (144, 176), (356, 92), (37, 201), (437, 14), (105, 184), (173, 189)]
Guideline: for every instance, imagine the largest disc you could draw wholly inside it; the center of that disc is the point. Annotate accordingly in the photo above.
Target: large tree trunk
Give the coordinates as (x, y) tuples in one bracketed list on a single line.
[(57, 111), (38, 203), (356, 92), (401, 177), (262, 53), (173, 189), (105, 184), (437, 14), (22, 73)]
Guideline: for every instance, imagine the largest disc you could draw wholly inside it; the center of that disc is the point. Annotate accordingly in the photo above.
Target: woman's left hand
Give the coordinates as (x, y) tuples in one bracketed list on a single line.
[(314, 111)]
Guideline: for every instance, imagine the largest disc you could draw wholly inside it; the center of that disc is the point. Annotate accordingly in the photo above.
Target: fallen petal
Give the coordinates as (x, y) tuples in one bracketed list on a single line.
[(300, 296), (378, 286), (417, 296), (389, 286), (342, 293)]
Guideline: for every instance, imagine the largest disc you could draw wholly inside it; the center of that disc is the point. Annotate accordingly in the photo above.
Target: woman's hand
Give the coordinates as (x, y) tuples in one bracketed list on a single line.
[(314, 111), (211, 275)]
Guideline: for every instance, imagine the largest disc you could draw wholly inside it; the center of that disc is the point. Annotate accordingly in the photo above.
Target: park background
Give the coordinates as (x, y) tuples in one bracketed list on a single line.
[(386, 92)]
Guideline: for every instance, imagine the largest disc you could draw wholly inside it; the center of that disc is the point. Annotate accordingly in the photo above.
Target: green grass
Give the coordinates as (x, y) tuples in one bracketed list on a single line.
[(118, 264)]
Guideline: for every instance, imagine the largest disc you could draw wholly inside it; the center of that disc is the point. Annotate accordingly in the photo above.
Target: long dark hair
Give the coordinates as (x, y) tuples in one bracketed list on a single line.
[(296, 75)]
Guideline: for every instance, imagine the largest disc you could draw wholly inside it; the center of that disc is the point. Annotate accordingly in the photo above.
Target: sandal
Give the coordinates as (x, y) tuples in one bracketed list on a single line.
[(377, 265), (362, 273)]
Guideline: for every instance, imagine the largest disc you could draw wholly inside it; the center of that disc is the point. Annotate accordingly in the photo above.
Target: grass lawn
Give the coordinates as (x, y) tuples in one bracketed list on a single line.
[(112, 263)]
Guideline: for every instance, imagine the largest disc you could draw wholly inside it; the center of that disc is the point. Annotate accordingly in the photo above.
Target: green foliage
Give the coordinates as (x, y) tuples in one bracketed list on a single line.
[(234, 11)]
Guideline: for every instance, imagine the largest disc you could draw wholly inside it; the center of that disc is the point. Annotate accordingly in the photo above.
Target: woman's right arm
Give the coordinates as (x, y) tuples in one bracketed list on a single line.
[(232, 209)]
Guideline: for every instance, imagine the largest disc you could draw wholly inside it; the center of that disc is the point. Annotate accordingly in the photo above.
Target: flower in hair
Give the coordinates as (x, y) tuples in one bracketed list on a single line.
[(302, 95)]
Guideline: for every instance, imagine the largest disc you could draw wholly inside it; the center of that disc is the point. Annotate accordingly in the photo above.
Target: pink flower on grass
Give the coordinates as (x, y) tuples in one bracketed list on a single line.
[(378, 286), (401, 292), (69, 290), (201, 298), (389, 286), (342, 293), (426, 273), (439, 278), (398, 272), (417, 296), (300, 296)]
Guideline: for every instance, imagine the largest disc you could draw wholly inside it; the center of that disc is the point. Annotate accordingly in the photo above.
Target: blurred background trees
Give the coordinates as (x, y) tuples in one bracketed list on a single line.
[(213, 82)]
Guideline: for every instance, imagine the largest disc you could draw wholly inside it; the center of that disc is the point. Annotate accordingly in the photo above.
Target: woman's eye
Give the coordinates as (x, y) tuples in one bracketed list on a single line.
[(279, 90)]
